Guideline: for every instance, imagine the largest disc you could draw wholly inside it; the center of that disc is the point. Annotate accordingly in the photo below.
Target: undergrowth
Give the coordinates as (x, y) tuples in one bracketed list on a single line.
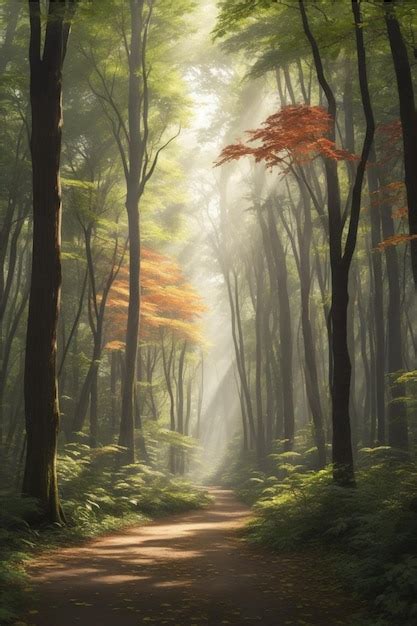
[(98, 496), (370, 532)]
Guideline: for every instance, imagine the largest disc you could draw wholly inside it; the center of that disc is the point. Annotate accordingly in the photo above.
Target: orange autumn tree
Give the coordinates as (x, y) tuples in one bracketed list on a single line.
[(169, 326), (168, 302)]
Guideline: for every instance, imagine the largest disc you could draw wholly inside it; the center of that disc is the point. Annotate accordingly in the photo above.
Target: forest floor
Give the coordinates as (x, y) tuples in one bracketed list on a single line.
[(190, 569)]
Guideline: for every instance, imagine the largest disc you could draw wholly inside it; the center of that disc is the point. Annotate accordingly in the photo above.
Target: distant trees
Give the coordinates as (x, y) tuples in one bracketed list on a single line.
[(15, 203), (289, 139), (169, 336), (314, 151), (408, 121)]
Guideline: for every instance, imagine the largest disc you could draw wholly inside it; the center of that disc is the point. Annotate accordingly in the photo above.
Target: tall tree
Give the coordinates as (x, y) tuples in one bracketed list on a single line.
[(41, 399), (136, 151), (341, 254), (408, 121), (139, 152)]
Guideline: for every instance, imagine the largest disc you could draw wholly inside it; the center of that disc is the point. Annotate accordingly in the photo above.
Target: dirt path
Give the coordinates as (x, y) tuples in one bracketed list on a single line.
[(187, 570)]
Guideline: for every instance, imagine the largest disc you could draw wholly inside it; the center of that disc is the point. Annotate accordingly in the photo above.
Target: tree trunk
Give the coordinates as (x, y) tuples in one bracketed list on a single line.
[(285, 332), (311, 374), (41, 397), (342, 447), (188, 406), (127, 423), (367, 382), (150, 366), (397, 412), (341, 254), (200, 399), (259, 317), (378, 299), (352, 354), (270, 401), (180, 409), (94, 409), (408, 121), (113, 387), (167, 365), (141, 437)]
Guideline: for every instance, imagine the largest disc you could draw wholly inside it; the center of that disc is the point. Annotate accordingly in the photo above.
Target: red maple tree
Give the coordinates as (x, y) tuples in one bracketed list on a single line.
[(293, 135)]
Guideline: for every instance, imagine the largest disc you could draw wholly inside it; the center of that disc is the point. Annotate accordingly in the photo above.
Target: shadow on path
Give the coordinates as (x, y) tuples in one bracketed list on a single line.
[(186, 570)]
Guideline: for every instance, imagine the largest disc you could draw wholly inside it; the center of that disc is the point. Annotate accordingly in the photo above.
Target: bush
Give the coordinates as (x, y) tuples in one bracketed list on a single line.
[(98, 495), (372, 529), (17, 539), (95, 487)]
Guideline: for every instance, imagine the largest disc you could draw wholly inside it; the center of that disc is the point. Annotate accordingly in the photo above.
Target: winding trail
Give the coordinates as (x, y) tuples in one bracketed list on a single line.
[(186, 570)]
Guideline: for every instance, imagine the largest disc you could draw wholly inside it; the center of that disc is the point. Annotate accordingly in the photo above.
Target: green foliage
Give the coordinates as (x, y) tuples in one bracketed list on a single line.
[(12, 582), (99, 495), (96, 487), (371, 531), (17, 539), (243, 475), (233, 12), (236, 469)]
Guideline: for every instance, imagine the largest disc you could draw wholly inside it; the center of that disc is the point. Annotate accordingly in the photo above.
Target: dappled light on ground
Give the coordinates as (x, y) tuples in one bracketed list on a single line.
[(188, 569)]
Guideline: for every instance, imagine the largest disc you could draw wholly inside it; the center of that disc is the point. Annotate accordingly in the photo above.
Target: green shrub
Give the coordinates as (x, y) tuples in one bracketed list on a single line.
[(98, 495), (17, 540), (372, 529), (94, 486)]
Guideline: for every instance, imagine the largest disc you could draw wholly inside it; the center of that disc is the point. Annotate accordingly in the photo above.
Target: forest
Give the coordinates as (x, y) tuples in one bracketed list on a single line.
[(208, 312)]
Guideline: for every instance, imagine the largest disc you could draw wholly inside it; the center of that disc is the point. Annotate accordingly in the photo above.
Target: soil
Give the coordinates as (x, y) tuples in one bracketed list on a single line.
[(191, 569)]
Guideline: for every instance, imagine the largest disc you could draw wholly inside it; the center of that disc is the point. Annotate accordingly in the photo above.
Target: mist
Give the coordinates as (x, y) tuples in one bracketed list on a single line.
[(208, 271)]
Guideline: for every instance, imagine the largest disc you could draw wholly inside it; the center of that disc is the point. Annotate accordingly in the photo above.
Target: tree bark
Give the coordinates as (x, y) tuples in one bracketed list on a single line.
[(408, 121), (41, 398), (259, 318), (133, 183), (397, 412), (167, 366), (377, 299), (285, 331), (113, 390), (180, 408), (341, 255)]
